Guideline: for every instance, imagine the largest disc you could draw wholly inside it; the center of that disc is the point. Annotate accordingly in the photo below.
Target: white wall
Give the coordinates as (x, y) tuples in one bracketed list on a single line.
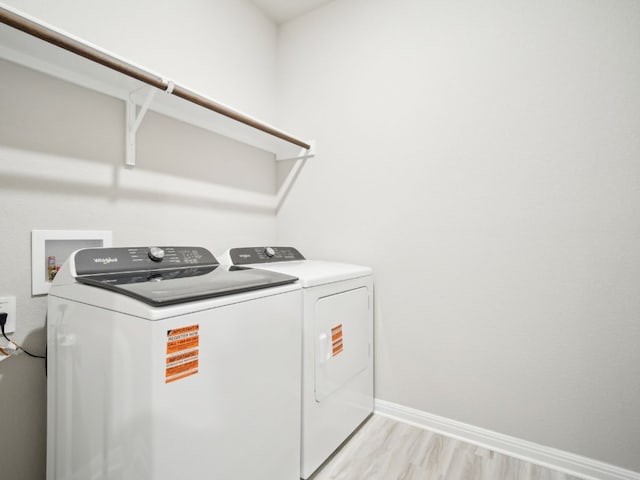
[(62, 156), (483, 158)]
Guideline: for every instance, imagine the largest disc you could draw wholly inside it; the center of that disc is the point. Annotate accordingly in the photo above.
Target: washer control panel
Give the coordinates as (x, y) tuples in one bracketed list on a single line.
[(248, 255), (91, 261)]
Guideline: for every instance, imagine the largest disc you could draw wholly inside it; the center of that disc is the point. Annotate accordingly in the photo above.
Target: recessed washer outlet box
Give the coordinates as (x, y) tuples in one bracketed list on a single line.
[(8, 306)]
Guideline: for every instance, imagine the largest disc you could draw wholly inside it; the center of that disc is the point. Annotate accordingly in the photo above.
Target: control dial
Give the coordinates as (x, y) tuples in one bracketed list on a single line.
[(156, 254), (269, 252)]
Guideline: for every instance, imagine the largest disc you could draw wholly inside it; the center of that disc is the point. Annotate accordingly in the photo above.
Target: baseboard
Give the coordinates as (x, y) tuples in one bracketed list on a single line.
[(570, 463)]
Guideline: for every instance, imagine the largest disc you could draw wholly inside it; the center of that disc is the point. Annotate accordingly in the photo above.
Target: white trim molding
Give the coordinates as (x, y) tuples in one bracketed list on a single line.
[(553, 458)]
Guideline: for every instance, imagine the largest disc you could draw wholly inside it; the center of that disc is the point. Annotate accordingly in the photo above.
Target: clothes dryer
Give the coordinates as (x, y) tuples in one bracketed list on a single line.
[(337, 345), (164, 365)]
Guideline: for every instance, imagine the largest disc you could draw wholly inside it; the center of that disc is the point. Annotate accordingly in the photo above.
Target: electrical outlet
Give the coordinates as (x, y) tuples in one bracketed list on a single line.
[(8, 306)]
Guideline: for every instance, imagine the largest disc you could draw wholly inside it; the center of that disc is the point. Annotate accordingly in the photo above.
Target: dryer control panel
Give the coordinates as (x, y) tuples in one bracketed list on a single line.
[(92, 261), (249, 255)]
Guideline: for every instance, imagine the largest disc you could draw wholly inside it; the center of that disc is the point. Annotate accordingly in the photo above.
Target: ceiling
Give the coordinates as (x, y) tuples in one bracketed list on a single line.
[(281, 11)]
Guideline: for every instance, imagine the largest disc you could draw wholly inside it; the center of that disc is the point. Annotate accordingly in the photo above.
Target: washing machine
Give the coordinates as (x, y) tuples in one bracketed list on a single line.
[(164, 365), (337, 345)]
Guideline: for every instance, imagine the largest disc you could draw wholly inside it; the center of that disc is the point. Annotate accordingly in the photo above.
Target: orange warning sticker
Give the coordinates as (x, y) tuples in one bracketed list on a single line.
[(336, 340), (183, 330), (178, 377), (336, 333), (182, 358), (183, 344), (182, 353), (179, 369)]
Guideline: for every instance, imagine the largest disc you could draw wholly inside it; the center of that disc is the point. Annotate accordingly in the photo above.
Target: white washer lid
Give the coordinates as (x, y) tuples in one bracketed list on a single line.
[(316, 272)]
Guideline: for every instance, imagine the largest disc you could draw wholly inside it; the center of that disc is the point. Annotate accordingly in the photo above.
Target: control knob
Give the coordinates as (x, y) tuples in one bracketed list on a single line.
[(269, 252), (156, 254)]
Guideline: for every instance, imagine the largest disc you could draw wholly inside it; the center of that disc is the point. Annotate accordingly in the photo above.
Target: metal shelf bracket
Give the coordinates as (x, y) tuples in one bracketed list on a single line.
[(134, 119)]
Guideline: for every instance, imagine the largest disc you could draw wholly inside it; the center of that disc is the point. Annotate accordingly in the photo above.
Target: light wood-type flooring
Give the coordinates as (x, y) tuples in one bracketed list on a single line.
[(385, 449)]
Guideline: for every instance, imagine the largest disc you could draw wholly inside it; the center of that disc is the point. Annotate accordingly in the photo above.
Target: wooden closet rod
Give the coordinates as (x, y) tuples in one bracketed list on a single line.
[(55, 38)]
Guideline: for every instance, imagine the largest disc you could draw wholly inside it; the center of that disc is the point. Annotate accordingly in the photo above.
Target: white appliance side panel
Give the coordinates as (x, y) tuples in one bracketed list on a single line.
[(326, 424), (342, 339), (238, 417), (98, 392)]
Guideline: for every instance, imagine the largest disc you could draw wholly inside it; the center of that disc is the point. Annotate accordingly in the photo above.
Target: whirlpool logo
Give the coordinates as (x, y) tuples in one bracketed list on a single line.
[(106, 260)]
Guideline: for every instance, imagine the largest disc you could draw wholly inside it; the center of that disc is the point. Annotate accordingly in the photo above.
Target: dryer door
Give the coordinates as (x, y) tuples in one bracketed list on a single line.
[(342, 339)]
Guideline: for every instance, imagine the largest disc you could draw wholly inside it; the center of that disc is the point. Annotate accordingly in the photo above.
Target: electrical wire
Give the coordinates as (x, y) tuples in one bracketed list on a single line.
[(21, 347), (2, 323)]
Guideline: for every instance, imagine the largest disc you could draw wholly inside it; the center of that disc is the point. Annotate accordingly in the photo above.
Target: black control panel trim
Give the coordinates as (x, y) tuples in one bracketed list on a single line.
[(250, 255), (96, 261)]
